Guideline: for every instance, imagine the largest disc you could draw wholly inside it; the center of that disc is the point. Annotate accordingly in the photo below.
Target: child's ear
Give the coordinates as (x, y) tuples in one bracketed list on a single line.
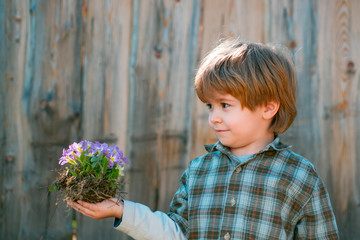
[(271, 109)]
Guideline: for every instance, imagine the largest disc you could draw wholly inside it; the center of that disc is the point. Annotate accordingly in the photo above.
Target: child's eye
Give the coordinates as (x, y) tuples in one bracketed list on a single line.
[(225, 105), (209, 106)]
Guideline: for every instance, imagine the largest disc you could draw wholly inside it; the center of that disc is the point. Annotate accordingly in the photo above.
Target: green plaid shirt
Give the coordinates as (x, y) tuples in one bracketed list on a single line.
[(274, 194)]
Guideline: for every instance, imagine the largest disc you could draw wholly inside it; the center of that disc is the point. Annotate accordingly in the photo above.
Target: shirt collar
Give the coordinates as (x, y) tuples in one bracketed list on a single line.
[(274, 145)]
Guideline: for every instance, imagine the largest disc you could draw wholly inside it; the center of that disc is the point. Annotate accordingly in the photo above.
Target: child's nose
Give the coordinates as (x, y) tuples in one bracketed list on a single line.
[(215, 117)]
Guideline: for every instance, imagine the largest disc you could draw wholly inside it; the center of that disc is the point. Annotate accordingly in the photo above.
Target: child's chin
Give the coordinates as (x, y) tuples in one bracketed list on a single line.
[(225, 143)]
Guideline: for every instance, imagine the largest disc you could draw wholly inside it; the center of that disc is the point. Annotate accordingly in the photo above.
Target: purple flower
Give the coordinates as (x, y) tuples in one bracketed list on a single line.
[(97, 148), (85, 145), (114, 156), (76, 149), (110, 165), (66, 156)]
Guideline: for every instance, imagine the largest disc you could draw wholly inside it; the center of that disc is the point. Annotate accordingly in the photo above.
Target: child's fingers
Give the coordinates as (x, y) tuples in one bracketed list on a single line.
[(77, 207), (104, 209), (71, 204), (83, 210), (74, 205), (85, 204)]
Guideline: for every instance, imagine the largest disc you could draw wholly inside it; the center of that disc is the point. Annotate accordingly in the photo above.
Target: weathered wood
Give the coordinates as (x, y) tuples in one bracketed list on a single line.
[(41, 113), (122, 72), (163, 59), (106, 46), (339, 55)]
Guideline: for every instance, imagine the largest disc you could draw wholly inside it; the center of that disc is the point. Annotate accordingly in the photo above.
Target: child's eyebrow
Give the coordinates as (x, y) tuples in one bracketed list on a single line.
[(220, 98), (224, 100)]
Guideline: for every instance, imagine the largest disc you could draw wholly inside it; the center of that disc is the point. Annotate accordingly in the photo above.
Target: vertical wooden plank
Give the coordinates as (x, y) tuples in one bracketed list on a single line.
[(52, 86), (326, 70), (7, 50), (38, 89), (106, 45), (353, 70), (242, 19), (51, 102), (163, 60), (13, 153), (279, 26), (339, 91), (180, 42)]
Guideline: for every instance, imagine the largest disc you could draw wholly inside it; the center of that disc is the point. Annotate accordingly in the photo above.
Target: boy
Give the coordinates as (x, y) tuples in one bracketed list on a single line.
[(249, 185)]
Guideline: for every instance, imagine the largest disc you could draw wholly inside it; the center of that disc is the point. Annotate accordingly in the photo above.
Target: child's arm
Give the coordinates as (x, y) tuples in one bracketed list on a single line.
[(317, 220), (138, 221)]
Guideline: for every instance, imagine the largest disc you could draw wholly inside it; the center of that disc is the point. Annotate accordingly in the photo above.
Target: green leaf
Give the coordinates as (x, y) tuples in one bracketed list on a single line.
[(53, 188), (73, 173), (82, 156), (86, 160), (82, 159), (104, 165), (115, 173), (72, 162)]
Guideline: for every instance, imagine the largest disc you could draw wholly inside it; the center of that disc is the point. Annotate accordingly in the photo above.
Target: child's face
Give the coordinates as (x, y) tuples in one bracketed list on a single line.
[(244, 131)]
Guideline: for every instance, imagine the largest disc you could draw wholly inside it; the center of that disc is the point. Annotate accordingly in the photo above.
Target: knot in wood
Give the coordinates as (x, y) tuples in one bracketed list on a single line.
[(350, 67), (10, 157), (158, 51), (292, 44)]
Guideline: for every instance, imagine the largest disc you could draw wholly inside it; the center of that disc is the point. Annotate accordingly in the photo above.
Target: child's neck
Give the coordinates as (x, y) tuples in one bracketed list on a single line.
[(254, 147)]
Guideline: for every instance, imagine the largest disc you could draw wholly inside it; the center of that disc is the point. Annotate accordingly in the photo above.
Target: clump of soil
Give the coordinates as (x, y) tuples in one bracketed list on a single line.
[(87, 189)]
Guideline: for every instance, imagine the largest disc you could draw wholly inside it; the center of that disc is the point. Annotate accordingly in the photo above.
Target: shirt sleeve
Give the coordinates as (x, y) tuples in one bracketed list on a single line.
[(117, 222), (139, 222), (317, 219), (179, 204)]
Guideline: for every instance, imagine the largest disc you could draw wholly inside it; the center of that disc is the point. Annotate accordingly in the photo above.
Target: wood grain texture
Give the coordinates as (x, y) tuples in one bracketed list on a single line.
[(4, 102), (106, 51), (122, 72), (163, 60), (39, 120), (339, 96)]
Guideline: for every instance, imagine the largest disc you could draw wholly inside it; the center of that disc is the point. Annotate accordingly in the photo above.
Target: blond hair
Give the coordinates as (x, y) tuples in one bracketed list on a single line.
[(253, 73)]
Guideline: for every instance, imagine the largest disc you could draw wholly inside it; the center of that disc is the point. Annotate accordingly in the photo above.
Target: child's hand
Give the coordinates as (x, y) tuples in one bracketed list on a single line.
[(108, 208)]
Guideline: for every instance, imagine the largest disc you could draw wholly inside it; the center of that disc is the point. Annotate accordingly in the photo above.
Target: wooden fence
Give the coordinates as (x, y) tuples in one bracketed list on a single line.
[(122, 71)]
